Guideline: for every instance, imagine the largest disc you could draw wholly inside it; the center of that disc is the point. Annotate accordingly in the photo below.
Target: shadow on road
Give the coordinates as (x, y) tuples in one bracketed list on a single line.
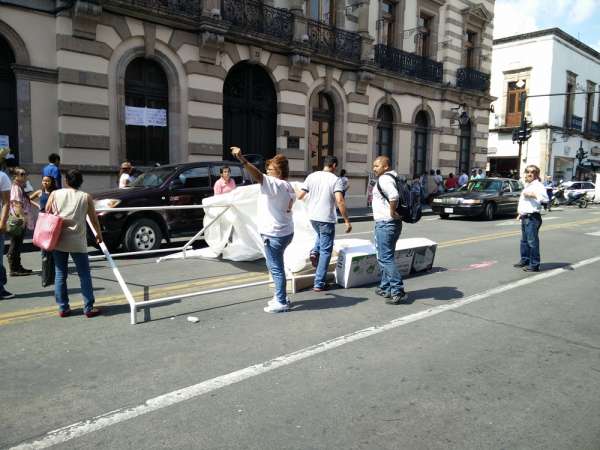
[(49, 292), (331, 300), (445, 293), (555, 265)]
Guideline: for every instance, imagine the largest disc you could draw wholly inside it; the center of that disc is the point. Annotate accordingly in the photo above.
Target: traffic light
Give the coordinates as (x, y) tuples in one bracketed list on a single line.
[(523, 133)]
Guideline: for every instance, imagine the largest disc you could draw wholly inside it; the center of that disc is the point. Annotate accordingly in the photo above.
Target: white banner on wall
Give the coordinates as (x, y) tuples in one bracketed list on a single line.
[(145, 117)]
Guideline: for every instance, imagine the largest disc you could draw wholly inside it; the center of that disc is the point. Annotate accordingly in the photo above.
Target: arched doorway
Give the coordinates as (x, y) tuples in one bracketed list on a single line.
[(8, 99), (321, 129), (464, 157), (385, 133), (421, 143), (146, 113), (249, 111)]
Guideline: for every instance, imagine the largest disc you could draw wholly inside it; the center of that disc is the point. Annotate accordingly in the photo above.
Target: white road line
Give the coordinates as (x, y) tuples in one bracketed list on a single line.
[(597, 233), (172, 398)]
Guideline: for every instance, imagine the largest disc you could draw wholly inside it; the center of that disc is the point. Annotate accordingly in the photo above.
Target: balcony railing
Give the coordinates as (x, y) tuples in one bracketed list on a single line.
[(331, 41), (595, 129), (467, 78), (576, 123), (408, 64), (186, 8), (255, 17)]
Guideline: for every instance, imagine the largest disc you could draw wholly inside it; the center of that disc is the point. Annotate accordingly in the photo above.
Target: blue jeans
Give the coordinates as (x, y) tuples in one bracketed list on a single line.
[(530, 241), (2, 269), (82, 263), (323, 247), (386, 236), (274, 249)]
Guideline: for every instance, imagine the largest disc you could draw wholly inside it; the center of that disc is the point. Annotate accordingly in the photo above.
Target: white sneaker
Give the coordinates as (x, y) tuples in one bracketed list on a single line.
[(276, 307), (275, 302)]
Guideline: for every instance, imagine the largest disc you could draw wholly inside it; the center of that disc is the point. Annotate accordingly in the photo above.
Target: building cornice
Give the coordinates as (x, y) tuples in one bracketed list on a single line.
[(550, 32)]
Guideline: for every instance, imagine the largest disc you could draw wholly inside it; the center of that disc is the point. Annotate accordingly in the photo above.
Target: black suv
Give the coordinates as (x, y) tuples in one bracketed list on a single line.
[(171, 185)]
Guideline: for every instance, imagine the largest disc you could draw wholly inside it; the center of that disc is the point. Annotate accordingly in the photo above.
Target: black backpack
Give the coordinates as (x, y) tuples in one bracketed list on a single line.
[(409, 201)]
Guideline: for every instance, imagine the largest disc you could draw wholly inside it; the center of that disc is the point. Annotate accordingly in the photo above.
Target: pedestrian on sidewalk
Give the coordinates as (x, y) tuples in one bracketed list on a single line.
[(73, 205), (345, 182), (324, 190), (42, 195), (53, 169), (463, 179), (125, 178), (451, 182), (21, 212), (276, 225), (388, 226), (225, 183), (549, 185), (5, 187), (529, 213)]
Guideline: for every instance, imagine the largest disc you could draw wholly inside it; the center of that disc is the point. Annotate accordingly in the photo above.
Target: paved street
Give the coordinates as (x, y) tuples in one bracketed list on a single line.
[(484, 355)]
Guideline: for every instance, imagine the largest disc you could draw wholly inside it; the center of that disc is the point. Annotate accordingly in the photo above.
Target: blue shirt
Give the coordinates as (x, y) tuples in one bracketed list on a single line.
[(53, 171)]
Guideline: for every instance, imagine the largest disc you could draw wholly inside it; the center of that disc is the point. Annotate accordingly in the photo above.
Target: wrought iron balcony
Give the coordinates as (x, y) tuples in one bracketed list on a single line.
[(255, 17), (331, 41), (408, 64), (467, 78), (185, 8)]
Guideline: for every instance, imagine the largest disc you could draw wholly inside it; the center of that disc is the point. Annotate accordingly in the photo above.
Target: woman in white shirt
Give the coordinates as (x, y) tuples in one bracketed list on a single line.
[(125, 175), (276, 225)]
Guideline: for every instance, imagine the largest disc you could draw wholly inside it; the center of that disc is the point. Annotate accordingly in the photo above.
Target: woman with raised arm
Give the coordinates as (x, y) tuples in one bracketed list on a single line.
[(276, 225)]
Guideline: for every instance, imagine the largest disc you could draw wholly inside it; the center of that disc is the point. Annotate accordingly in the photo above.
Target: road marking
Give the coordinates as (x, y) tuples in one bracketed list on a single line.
[(597, 233), (100, 422), (26, 315)]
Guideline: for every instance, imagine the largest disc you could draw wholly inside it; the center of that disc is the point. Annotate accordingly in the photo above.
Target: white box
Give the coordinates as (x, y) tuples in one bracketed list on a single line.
[(357, 265)]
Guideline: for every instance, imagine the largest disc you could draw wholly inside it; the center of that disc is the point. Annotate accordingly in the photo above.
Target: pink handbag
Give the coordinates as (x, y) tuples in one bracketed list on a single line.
[(47, 231)]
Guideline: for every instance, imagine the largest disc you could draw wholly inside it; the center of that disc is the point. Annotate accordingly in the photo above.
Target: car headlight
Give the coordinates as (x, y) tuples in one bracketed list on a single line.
[(466, 201), (106, 203), (438, 200)]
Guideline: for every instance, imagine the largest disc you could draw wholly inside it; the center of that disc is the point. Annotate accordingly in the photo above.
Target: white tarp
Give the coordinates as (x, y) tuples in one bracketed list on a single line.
[(145, 117), (234, 236), (597, 191)]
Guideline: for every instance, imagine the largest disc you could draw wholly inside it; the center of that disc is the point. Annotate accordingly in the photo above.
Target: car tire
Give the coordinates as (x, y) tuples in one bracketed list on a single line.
[(143, 235), (444, 216), (490, 211)]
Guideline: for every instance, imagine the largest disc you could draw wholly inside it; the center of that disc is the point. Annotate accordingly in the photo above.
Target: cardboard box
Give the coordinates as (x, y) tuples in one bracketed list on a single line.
[(357, 265)]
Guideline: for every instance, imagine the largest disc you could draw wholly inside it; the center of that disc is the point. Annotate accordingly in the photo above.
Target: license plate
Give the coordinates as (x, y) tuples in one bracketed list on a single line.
[(448, 210)]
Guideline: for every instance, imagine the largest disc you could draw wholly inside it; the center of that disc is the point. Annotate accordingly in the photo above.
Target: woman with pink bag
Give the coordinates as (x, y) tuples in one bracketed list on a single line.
[(73, 206)]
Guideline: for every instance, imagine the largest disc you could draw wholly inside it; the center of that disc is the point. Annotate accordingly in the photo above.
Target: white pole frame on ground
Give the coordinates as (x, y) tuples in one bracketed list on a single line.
[(133, 304)]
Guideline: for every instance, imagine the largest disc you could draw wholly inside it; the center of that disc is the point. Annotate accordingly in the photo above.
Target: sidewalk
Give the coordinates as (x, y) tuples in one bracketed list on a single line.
[(366, 214)]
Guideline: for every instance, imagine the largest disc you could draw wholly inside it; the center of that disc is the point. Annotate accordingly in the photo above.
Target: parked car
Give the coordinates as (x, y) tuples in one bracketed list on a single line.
[(169, 185), (577, 187), (486, 197)]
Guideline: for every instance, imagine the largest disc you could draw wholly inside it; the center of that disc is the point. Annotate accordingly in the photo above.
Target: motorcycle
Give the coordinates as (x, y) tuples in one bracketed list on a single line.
[(585, 200), (576, 198)]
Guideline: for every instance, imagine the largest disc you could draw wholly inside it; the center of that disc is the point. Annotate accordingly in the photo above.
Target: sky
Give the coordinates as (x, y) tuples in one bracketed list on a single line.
[(579, 18)]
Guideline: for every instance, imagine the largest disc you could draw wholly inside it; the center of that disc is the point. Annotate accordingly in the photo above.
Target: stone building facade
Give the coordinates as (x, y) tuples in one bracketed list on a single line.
[(166, 81)]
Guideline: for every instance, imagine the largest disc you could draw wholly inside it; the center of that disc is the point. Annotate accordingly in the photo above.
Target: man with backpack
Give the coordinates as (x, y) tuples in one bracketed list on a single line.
[(388, 225)]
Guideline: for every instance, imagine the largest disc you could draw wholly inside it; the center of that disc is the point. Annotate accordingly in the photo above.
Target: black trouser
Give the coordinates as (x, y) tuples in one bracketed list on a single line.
[(48, 272), (14, 252)]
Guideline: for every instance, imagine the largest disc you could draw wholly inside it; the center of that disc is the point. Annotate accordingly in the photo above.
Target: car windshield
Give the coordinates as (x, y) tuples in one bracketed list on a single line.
[(153, 178), (484, 186)]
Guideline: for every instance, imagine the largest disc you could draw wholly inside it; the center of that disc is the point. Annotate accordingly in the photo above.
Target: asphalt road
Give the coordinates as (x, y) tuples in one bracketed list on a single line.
[(483, 356)]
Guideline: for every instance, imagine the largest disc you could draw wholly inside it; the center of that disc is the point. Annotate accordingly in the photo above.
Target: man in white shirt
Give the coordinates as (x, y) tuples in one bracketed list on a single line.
[(324, 190), (5, 186), (463, 179), (529, 212), (388, 226)]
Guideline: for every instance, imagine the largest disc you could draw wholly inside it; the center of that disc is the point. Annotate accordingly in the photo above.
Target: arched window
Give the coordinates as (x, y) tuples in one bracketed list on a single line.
[(8, 99), (146, 113), (249, 111), (464, 157), (321, 130), (385, 133), (421, 143)]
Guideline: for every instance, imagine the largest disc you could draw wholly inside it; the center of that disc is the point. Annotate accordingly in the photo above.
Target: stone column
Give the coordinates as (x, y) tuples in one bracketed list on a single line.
[(24, 119), (367, 52)]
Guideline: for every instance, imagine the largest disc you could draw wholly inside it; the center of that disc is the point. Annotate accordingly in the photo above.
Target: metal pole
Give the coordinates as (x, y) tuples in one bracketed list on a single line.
[(522, 126)]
